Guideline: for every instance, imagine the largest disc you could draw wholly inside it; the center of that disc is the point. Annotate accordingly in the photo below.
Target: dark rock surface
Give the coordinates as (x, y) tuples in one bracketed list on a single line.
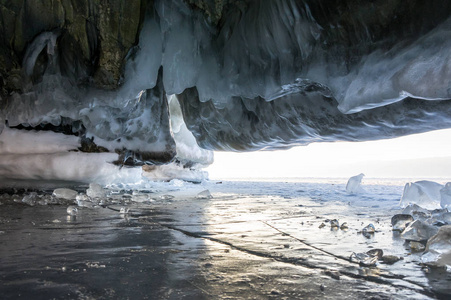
[(93, 38)]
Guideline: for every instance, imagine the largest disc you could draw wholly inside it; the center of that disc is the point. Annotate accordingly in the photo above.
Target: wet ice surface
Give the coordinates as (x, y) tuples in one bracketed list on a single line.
[(212, 241)]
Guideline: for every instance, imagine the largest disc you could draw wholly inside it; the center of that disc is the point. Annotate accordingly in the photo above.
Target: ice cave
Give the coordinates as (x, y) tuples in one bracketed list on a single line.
[(133, 84), (120, 105)]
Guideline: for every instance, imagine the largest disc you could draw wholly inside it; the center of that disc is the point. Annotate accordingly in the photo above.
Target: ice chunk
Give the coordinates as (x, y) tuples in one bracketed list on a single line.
[(64, 193), (369, 258), (166, 197), (354, 184), (95, 191), (31, 199), (204, 195), (417, 212), (438, 248), (400, 221), (368, 230), (445, 196), (440, 217), (334, 223), (418, 231), (124, 210), (423, 193), (84, 201), (72, 210), (344, 226)]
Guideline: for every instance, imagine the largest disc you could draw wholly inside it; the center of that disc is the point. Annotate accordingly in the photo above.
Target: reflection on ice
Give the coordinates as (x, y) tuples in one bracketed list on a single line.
[(266, 223)]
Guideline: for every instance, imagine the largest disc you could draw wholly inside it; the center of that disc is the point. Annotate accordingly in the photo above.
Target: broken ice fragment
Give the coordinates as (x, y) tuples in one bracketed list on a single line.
[(30, 199), (166, 197), (64, 193), (440, 218), (375, 252), (445, 196), (334, 223), (416, 212), (423, 193), (367, 259), (72, 210), (95, 191), (354, 184), (369, 229), (84, 201), (418, 231), (124, 210), (400, 221), (438, 248), (204, 195)]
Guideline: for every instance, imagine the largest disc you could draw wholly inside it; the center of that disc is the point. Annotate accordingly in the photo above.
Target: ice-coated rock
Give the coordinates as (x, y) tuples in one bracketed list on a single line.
[(205, 194), (400, 221), (354, 184), (64, 193), (438, 248), (423, 193), (390, 259), (418, 231), (445, 196), (416, 246), (95, 191)]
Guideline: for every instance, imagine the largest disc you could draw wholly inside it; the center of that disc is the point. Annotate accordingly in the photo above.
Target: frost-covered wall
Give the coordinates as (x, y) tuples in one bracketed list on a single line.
[(248, 74)]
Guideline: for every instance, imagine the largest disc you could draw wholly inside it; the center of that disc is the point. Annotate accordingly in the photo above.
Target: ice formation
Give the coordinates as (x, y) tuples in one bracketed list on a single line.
[(204, 195), (64, 193), (95, 190), (418, 231), (250, 75), (423, 193), (438, 248), (416, 211), (445, 196), (354, 184)]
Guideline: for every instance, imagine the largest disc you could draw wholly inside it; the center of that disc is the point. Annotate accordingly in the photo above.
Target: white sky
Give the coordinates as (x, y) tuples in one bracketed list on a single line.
[(426, 155)]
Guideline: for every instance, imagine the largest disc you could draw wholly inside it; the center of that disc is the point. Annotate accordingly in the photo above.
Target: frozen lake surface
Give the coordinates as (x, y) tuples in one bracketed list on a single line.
[(240, 239)]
